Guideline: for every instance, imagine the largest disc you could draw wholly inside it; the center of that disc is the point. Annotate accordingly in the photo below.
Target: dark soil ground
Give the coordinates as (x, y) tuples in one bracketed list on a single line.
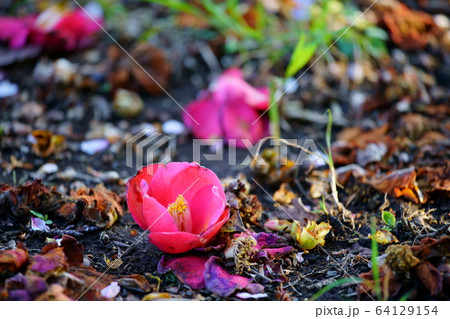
[(320, 267)]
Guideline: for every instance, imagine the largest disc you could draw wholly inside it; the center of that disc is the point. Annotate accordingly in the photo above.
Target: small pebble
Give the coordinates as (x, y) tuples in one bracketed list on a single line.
[(93, 147), (173, 127)]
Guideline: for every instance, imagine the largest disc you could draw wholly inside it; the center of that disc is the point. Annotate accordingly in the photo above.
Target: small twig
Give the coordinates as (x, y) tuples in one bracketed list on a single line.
[(293, 288), (260, 275), (437, 232), (120, 244)]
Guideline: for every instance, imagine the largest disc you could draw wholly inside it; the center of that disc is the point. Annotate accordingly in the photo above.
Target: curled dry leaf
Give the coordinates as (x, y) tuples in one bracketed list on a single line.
[(135, 282), (409, 29), (430, 247), (18, 200), (424, 262), (353, 142), (389, 282), (430, 276), (72, 248), (399, 183), (437, 178), (351, 170), (283, 195), (240, 201), (415, 125), (46, 143), (11, 260), (311, 235), (53, 261), (102, 206), (384, 237), (96, 281)]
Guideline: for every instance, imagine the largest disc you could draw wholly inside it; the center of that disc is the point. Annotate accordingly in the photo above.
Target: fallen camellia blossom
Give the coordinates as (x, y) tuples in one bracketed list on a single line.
[(54, 28), (183, 205), (229, 110), (309, 236)]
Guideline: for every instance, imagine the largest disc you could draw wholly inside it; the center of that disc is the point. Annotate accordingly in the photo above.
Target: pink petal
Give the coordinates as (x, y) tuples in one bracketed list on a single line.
[(180, 178), (241, 123), (19, 39), (220, 282), (206, 207), (246, 295), (231, 86), (233, 72), (39, 224), (189, 270), (214, 229), (176, 242), (16, 30), (156, 216), (110, 291), (134, 192), (260, 101), (207, 115)]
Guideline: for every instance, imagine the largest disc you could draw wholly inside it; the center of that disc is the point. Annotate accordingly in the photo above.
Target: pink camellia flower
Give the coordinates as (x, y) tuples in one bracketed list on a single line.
[(183, 205), (54, 29), (229, 110)]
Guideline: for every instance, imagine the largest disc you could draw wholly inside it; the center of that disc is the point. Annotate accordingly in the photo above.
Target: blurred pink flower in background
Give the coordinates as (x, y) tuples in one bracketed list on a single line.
[(183, 205), (229, 109), (53, 29)]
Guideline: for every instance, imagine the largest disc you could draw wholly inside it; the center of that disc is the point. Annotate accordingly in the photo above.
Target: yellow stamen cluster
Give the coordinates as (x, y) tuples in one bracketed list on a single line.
[(177, 210), (244, 253)]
